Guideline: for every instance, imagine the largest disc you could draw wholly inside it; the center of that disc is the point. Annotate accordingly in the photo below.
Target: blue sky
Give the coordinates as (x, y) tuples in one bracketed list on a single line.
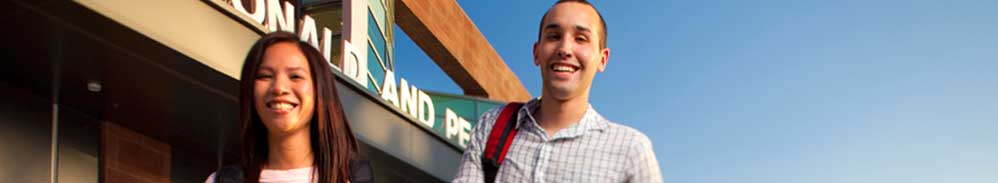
[(781, 91)]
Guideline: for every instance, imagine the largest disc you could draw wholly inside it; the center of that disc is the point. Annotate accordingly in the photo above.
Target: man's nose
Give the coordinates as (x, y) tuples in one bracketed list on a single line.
[(564, 49)]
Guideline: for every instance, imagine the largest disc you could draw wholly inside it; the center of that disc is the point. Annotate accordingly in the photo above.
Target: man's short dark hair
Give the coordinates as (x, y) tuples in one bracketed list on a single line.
[(602, 33)]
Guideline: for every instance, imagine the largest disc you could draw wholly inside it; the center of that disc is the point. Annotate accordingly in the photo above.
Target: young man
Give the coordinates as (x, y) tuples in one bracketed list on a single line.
[(559, 136)]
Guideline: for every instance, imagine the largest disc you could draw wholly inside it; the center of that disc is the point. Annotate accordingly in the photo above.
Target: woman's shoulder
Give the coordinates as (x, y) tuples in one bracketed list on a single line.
[(211, 178), (228, 173)]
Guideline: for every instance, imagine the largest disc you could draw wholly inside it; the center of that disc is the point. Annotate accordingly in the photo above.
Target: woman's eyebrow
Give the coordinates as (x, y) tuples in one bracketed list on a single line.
[(292, 69)]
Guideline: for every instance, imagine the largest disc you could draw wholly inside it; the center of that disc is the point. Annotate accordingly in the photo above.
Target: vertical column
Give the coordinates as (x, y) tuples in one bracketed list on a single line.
[(129, 156)]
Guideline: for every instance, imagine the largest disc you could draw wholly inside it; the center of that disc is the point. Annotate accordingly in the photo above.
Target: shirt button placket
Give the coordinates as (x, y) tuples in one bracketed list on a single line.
[(545, 155)]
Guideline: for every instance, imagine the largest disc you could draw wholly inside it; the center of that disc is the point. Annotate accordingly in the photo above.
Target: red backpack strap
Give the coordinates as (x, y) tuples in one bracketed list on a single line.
[(500, 138)]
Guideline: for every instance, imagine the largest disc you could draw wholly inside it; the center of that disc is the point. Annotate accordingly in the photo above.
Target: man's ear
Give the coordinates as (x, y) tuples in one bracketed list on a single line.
[(536, 61), (605, 56)]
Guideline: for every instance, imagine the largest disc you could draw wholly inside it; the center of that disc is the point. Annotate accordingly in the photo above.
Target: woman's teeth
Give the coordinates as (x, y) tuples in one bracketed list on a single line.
[(281, 106)]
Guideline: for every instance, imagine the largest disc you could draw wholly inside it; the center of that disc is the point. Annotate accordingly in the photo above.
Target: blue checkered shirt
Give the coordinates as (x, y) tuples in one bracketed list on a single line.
[(592, 150)]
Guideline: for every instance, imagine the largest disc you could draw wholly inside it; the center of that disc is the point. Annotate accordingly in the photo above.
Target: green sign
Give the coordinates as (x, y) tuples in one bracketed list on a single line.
[(446, 115)]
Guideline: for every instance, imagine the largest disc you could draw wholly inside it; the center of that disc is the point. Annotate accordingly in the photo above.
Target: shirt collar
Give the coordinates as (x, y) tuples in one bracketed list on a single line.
[(590, 121)]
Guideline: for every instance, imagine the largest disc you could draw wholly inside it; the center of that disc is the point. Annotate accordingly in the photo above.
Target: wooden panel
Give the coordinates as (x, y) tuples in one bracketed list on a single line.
[(451, 39)]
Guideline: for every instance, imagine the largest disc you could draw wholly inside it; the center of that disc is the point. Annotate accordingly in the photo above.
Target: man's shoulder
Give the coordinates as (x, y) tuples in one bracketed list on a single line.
[(489, 117), (632, 137), (485, 122), (637, 147)]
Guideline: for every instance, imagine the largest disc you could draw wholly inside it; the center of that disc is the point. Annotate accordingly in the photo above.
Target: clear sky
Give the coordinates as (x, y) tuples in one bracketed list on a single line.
[(781, 91)]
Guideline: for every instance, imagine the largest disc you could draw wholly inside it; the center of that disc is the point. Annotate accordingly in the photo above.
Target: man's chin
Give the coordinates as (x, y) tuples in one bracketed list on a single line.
[(561, 93)]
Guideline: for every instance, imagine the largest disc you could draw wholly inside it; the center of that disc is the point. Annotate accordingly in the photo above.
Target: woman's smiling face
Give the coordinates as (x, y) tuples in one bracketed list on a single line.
[(283, 93)]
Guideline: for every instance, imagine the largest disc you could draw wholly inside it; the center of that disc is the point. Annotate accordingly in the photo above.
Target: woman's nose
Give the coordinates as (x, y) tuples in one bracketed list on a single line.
[(280, 86)]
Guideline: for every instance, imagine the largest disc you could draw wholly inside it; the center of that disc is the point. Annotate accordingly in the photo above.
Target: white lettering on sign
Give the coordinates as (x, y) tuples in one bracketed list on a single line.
[(275, 21), (388, 89), (275, 18), (413, 101), (407, 97), (457, 126), (309, 33), (418, 104), (354, 64), (426, 113), (258, 12)]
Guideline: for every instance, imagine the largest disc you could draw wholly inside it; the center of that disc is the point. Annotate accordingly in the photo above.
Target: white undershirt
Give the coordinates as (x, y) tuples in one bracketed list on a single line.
[(297, 175)]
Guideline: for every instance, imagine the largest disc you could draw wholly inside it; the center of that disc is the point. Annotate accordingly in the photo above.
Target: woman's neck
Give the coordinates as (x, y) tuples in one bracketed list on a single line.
[(289, 151)]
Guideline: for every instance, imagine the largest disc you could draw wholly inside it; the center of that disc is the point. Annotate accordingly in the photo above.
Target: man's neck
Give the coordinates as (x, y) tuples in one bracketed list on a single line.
[(289, 151), (555, 115)]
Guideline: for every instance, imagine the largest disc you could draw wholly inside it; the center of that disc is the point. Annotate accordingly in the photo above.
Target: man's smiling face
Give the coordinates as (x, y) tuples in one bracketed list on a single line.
[(568, 51)]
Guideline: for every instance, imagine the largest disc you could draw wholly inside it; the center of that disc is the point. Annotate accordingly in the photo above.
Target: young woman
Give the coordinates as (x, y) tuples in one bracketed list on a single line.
[(293, 126)]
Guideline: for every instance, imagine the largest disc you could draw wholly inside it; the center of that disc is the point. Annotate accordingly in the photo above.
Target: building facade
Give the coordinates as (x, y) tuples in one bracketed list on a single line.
[(146, 91)]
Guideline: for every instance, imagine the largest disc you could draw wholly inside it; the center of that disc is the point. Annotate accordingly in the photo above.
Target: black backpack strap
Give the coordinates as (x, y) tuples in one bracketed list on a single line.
[(500, 138), (361, 171), (229, 174)]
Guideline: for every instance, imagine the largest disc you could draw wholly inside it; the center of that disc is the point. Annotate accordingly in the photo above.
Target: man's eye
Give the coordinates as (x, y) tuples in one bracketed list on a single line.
[(581, 39), (553, 37)]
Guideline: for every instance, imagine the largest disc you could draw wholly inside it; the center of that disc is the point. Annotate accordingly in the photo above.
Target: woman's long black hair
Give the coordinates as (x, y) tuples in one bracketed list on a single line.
[(332, 141)]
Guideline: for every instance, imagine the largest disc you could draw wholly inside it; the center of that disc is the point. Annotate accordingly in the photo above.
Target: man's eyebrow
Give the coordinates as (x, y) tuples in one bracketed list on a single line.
[(552, 26), (582, 28)]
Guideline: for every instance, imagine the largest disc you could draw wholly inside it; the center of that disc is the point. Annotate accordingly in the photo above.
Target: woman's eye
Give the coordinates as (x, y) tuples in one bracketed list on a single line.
[(297, 77), (263, 76)]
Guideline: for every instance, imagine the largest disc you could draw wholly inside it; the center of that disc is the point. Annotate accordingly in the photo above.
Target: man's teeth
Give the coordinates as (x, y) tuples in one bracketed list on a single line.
[(563, 68), (281, 106)]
